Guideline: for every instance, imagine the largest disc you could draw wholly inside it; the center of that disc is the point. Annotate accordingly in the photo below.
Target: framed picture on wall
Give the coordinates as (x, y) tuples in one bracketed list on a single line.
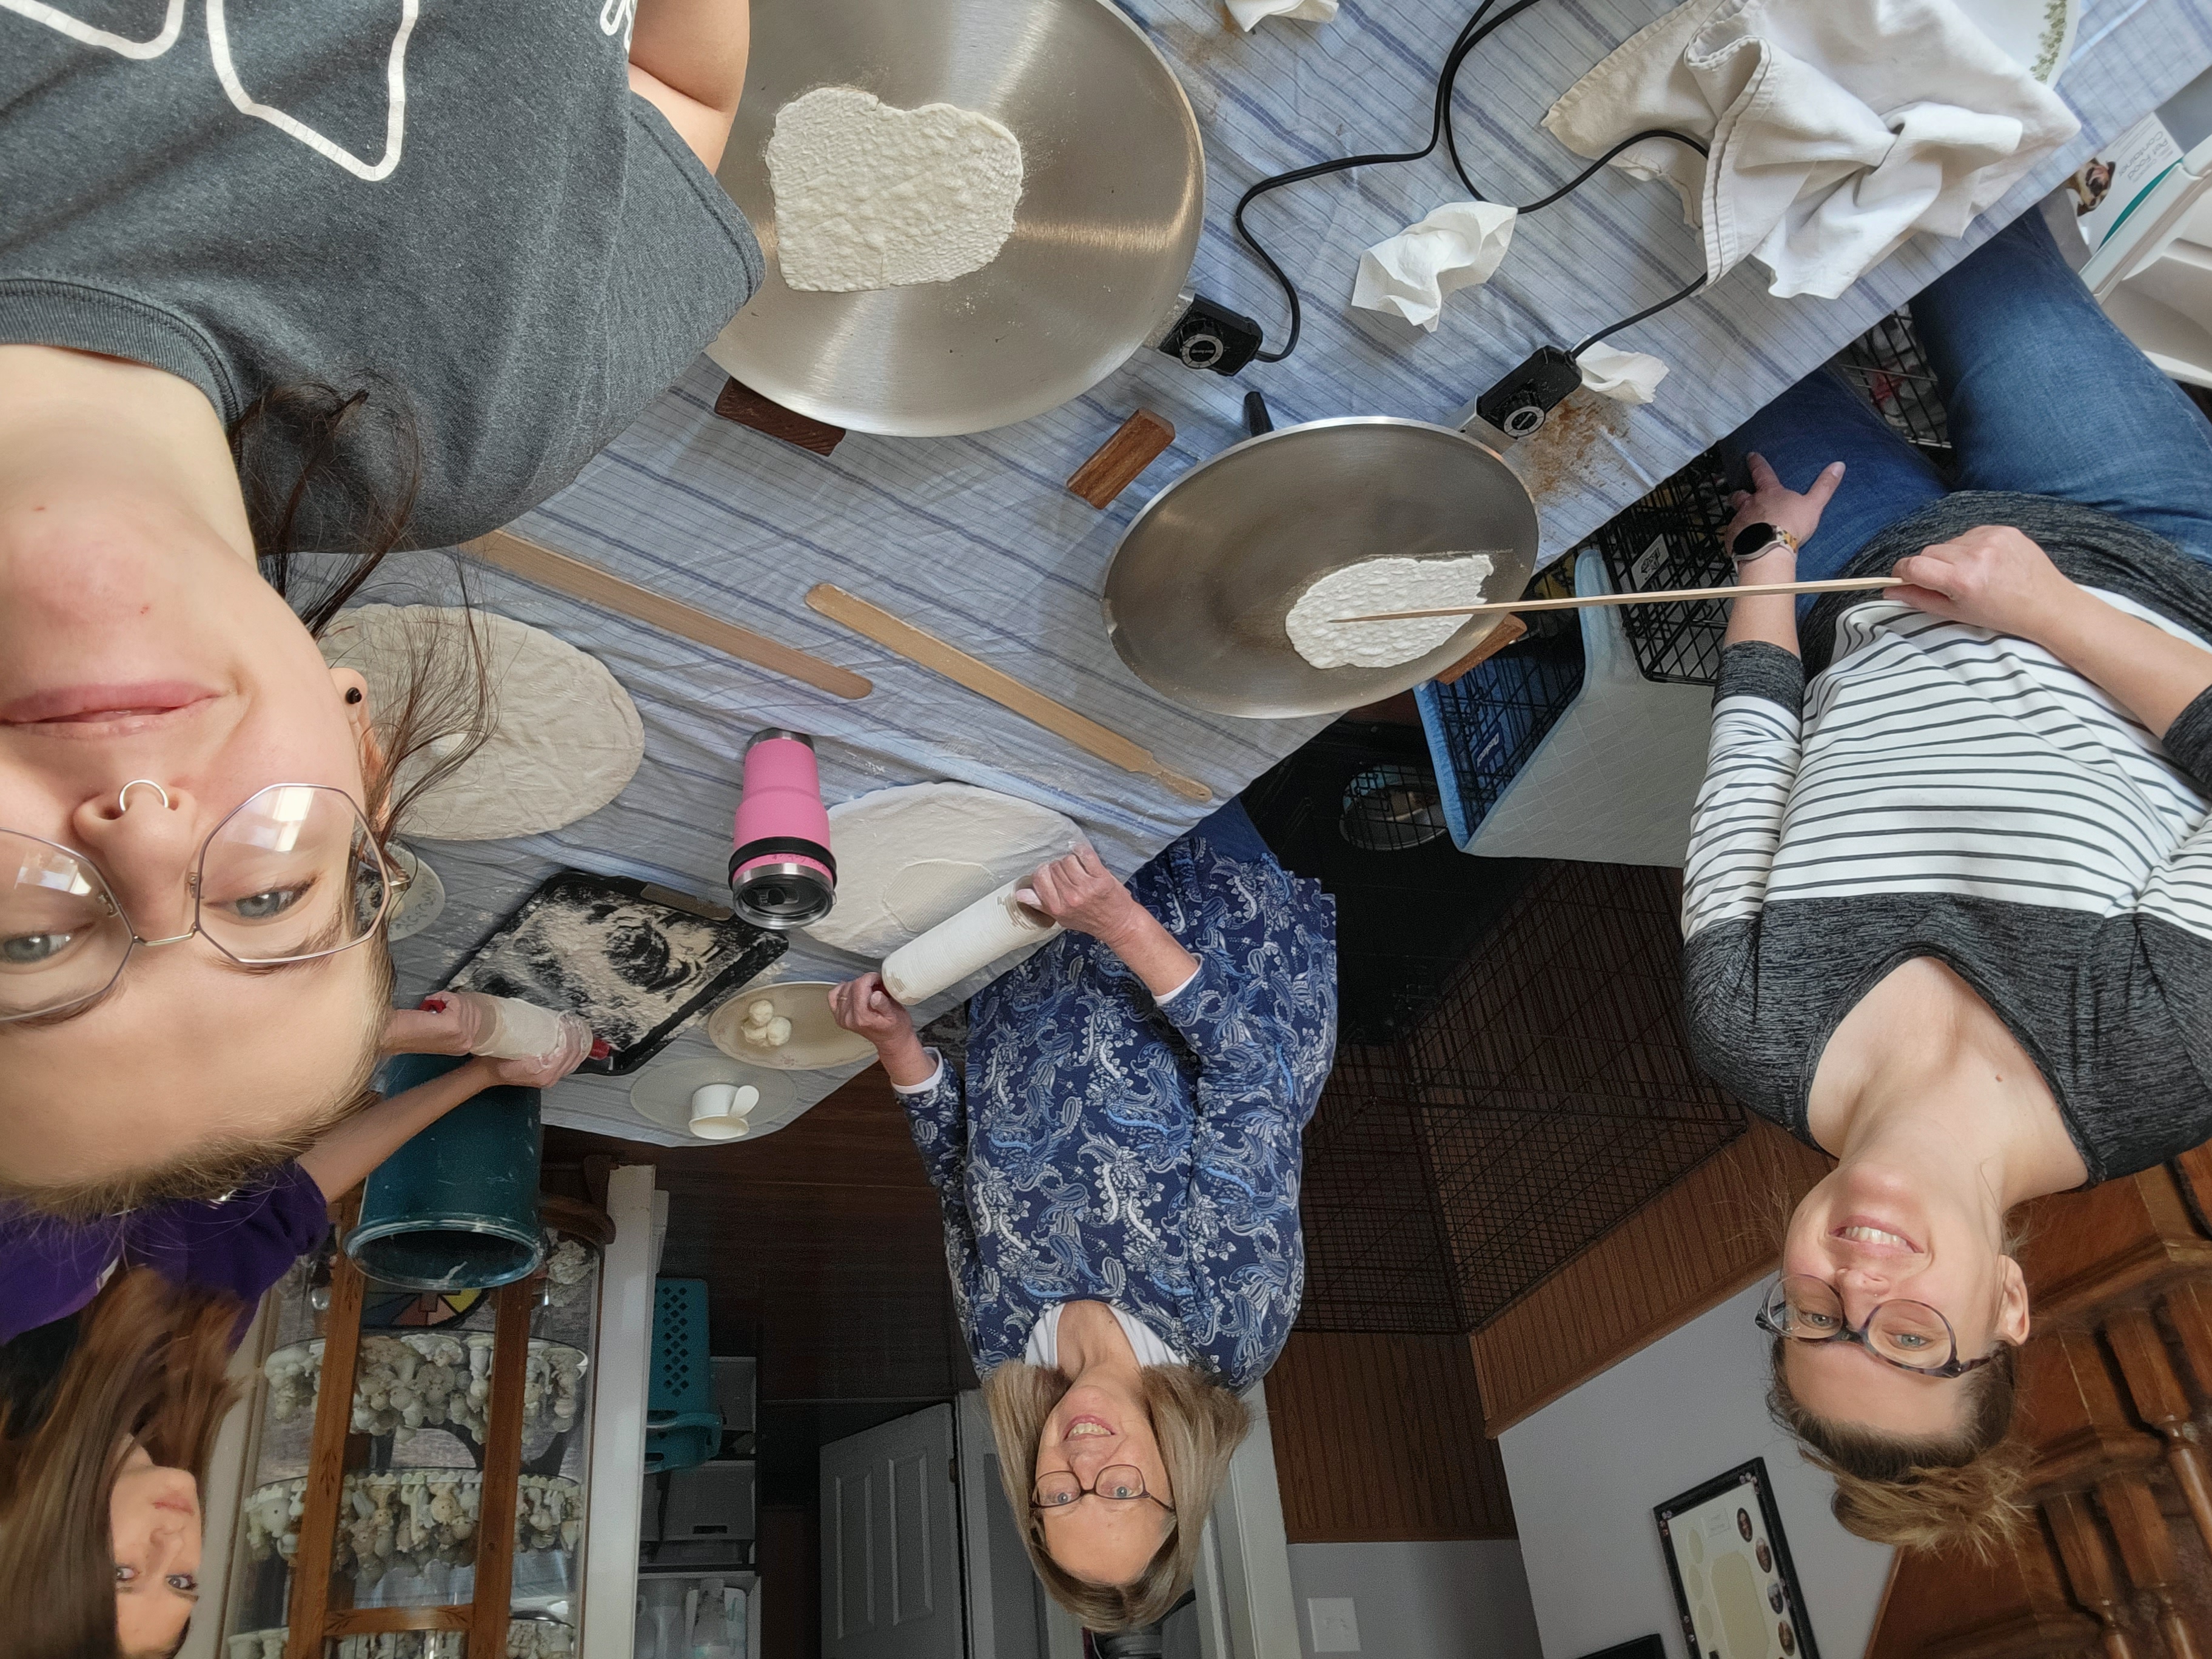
[(1735, 1586)]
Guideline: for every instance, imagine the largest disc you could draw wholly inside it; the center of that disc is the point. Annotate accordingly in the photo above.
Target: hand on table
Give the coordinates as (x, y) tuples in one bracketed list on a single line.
[(1769, 501), (1079, 893), (1991, 577)]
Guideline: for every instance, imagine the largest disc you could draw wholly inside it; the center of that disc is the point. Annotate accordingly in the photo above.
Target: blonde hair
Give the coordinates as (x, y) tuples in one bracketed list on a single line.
[(1963, 1490), (1200, 1424)]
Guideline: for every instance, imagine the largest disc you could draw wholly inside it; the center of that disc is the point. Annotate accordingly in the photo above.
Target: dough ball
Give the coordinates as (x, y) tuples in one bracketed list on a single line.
[(779, 1032)]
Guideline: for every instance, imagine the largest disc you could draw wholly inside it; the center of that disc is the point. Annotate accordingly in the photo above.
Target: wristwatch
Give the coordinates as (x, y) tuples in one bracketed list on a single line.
[(1753, 539)]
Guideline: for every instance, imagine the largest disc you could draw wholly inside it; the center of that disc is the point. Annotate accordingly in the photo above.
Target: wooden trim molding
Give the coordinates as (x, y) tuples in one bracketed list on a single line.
[(1379, 1439), (1709, 1236)]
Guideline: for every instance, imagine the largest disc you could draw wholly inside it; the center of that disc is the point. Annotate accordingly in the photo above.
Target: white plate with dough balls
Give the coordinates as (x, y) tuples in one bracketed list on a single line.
[(787, 1027), (972, 210), (1227, 590)]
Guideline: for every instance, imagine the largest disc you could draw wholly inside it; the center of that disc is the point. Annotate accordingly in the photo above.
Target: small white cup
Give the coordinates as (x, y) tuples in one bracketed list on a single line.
[(719, 1109)]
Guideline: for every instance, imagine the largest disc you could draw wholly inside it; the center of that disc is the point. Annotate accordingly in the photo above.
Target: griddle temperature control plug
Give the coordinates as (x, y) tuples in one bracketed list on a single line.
[(1199, 334), (1521, 403)]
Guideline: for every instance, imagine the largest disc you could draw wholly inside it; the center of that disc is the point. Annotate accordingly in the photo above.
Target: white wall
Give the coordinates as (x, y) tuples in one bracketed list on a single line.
[(1452, 1600), (1586, 1470)]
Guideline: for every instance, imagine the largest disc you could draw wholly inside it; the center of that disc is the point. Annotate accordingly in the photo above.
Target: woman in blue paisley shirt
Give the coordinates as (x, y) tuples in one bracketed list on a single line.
[(1119, 1168)]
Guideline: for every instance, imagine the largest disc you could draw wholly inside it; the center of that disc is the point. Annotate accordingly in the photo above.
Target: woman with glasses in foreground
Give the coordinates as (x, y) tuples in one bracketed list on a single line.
[(1948, 902), (1118, 1161), (265, 317)]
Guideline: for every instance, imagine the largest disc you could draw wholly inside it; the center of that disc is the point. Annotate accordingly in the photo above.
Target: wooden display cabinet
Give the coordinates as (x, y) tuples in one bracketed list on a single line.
[(435, 1509)]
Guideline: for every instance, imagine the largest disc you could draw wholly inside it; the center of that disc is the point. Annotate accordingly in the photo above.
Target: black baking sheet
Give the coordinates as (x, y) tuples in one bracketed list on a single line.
[(636, 961)]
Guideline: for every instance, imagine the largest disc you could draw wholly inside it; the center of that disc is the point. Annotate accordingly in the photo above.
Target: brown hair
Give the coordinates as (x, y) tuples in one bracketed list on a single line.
[(1200, 1424), (1960, 1491), (151, 1365)]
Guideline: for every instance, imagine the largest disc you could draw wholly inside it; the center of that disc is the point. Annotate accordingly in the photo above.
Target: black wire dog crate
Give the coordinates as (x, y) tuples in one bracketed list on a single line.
[(1672, 538), (1545, 1096)]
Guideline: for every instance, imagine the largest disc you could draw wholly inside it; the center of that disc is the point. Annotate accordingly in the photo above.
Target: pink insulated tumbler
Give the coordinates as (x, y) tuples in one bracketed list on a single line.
[(781, 875)]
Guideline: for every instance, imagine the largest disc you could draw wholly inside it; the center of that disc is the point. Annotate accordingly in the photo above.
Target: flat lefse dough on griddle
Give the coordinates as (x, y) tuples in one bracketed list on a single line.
[(1384, 584), (870, 196)]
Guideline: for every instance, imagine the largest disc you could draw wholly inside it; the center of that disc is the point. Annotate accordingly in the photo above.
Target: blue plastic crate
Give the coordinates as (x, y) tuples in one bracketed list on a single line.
[(682, 1427), (1483, 727)]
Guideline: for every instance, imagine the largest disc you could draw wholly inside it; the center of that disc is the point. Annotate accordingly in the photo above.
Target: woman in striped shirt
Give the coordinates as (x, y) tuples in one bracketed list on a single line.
[(1948, 902)]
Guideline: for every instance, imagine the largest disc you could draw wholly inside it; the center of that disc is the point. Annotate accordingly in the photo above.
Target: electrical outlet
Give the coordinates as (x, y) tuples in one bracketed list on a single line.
[(1335, 1626)]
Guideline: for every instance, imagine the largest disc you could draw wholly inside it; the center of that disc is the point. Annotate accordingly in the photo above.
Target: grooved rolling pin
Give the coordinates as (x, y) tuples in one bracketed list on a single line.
[(995, 925)]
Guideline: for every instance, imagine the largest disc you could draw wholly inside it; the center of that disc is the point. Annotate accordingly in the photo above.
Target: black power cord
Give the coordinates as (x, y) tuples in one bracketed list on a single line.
[(1441, 129)]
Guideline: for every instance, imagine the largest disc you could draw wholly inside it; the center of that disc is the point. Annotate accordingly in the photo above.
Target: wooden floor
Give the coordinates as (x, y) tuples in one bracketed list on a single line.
[(824, 1256), (822, 1248)]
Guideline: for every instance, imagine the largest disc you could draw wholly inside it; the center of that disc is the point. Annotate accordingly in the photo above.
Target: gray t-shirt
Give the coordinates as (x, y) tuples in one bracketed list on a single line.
[(464, 209)]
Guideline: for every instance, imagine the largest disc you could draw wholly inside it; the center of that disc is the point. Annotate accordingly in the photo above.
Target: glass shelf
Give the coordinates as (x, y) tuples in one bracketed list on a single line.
[(414, 1450)]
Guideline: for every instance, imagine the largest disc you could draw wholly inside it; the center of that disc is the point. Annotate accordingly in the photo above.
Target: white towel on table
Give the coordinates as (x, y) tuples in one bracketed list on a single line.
[(1839, 128), (1249, 14)]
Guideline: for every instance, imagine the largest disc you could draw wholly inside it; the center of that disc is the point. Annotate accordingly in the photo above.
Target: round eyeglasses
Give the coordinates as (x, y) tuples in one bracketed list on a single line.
[(1117, 1483), (1910, 1335), (294, 874)]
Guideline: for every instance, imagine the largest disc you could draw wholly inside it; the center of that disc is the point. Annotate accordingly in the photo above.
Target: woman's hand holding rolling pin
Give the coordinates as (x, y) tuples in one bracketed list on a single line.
[(527, 1047), (1079, 893), (863, 1007)]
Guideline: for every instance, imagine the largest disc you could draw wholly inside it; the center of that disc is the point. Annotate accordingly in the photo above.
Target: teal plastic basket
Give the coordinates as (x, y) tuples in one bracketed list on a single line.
[(682, 1427)]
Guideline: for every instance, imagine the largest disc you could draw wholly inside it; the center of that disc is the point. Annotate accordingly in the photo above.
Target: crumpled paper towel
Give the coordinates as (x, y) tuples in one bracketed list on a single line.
[(1629, 377), (1456, 246), (1248, 13)]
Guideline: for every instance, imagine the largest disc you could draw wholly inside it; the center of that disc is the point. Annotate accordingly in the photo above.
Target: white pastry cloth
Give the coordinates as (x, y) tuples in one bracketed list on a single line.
[(1839, 128), (1250, 14), (565, 736), (1411, 274), (912, 857), (1628, 377)]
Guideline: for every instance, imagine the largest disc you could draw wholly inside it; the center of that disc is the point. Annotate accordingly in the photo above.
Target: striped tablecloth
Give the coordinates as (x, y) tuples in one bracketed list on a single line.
[(975, 539)]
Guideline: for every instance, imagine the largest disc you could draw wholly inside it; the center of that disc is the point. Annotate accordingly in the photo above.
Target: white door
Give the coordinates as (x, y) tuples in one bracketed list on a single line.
[(891, 1542)]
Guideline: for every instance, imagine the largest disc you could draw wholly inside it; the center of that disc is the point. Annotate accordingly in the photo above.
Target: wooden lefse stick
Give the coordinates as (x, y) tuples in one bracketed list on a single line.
[(580, 581), (1664, 596), (956, 664)]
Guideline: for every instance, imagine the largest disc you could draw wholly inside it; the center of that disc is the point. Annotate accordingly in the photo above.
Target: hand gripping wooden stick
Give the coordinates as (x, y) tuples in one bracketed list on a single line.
[(1664, 596), (593, 586), (985, 681)]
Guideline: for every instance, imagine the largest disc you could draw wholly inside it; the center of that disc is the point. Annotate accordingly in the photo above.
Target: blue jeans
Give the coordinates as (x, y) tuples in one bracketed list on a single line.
[(2045, 397)]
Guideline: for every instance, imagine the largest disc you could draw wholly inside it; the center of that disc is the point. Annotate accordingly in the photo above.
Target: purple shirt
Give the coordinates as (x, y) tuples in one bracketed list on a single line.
[(244, 1244)]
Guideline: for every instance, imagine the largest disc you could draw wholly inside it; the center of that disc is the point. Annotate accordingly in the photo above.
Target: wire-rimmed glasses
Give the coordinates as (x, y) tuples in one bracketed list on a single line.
[(1910, 1335), (293, 873), (1117, 1483)]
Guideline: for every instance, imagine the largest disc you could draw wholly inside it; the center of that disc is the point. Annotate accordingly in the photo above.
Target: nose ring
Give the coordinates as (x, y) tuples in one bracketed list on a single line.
[(123, 797)]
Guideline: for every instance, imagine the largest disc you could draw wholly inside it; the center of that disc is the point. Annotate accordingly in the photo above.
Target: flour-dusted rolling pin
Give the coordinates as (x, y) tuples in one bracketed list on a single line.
[(995, 925), (1659, 596)]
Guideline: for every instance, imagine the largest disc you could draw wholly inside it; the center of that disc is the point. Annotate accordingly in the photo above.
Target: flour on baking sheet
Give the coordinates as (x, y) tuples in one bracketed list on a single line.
[(870, 197), (1384, 584)]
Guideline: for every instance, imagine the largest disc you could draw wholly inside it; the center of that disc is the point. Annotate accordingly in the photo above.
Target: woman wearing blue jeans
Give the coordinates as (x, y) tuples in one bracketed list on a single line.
[(1948, 908)]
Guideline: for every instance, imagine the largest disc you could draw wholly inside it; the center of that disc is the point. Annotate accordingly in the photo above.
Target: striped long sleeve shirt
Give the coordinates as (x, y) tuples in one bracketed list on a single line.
[(1936, 790)]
